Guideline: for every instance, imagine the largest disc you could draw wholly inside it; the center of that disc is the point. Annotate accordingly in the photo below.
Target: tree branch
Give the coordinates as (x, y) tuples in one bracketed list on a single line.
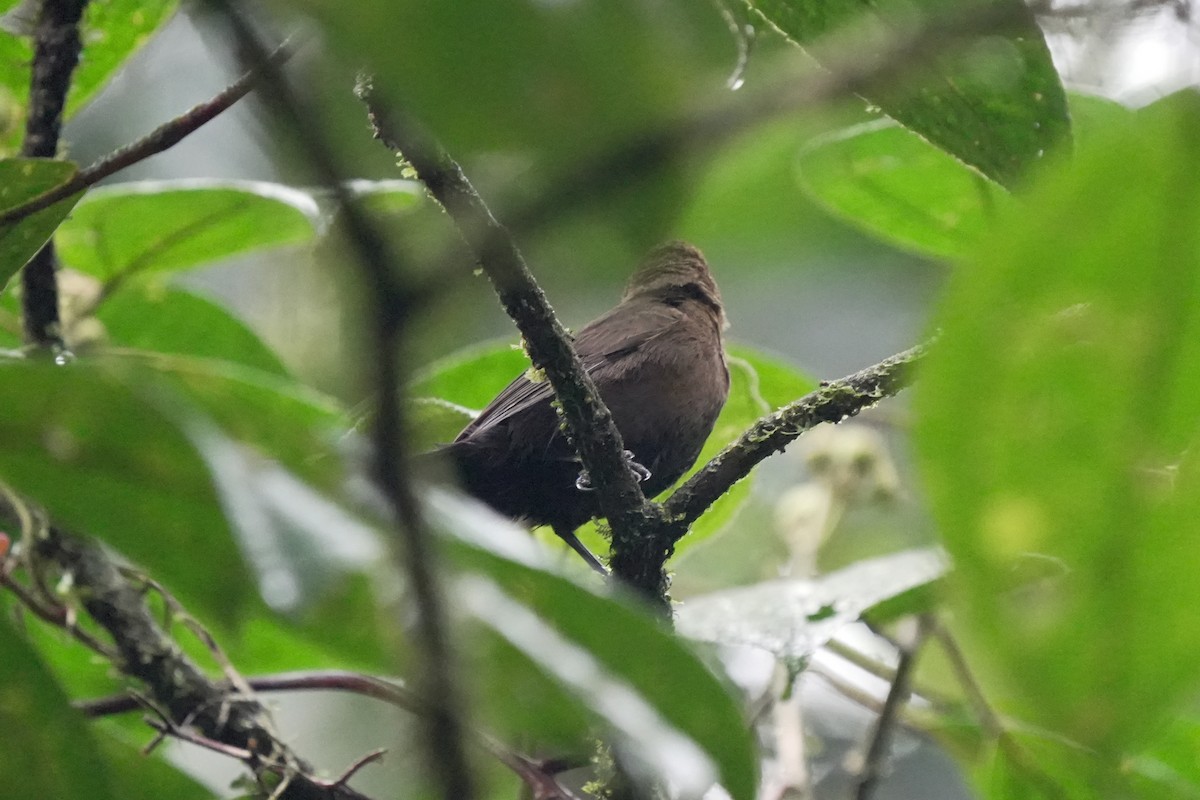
[(588, 421), (538, 774), (834, 401), (56, 47), (159, 140), (176, 684)]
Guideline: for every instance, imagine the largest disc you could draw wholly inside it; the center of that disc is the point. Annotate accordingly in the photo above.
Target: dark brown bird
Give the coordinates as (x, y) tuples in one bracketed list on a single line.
[(658, 361)]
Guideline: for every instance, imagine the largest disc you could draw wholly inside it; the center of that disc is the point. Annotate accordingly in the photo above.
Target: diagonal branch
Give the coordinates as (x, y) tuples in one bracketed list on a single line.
[(538, 774), (589, 422), (146, 653), (834, 402), (159, 140)]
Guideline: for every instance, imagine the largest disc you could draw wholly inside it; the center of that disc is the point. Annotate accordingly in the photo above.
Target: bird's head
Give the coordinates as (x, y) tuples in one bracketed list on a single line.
[(676, 272)]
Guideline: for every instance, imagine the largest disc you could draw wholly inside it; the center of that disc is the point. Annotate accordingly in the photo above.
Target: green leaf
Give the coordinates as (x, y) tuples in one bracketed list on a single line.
[(793, 618), (166, 319), (471, 377), (112, 31), (299, 541), (283, 420), (137, 774), (435, 422), (759, 384), (489, 75), (1057, 424), (899, 187), (997, 106), (666, 704), (317, 637), (49, 751), (97, 448), (22, 179), (161, 226)]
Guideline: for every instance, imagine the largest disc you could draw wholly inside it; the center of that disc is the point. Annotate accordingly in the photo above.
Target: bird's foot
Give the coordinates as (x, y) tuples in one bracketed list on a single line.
[(584, 482)]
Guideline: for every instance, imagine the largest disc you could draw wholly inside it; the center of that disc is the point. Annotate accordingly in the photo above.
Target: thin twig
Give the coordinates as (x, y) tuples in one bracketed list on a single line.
[(538, 774), (159, 140), (993, 726), (177, 687), (390, 301), (880, 741), (359, 763)]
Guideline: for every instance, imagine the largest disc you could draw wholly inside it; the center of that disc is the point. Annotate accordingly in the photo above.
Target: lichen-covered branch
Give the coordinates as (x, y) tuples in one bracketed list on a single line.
[(833, 401), (175, 684), (589, 423)]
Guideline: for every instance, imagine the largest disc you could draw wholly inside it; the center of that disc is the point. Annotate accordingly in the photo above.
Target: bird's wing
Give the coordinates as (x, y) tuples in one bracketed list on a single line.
[(604, 342)]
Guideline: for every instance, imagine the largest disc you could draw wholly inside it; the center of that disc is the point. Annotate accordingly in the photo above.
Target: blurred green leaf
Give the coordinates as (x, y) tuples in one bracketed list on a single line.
[(471, 377), (317, 636), (434, 422), (138, 774), (22, 179), (1169, 768), (185, 451), (298, 540), (749, 207), (388, 197), (49, 750), (567, 79), (657, 701), (98, 450), (1095, 117), (128, 229), (1055, 421), (112, 31), (997, 106), (894, 184), (283, 420), (793, 618), (166, 319)]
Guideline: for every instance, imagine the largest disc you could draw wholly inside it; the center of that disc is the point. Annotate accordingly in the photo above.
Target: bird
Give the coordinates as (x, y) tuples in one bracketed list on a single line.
[(657, 360)]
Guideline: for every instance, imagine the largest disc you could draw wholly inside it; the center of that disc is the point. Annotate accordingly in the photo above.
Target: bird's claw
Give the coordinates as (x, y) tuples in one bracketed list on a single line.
[(639, 472), (584, 482)]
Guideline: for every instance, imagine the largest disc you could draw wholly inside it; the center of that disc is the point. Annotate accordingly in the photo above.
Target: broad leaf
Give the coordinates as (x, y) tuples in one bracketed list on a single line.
[(166, 319), (642, 682), (128, 229), (23, 179), (112, 31), (997, 106), (899, 187), (1057, 427), (104, 456), (489, 75), (793, 618), (50, 752)]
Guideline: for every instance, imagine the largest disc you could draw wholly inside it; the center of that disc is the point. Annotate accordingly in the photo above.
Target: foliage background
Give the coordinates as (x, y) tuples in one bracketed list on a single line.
[(823, 272)]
